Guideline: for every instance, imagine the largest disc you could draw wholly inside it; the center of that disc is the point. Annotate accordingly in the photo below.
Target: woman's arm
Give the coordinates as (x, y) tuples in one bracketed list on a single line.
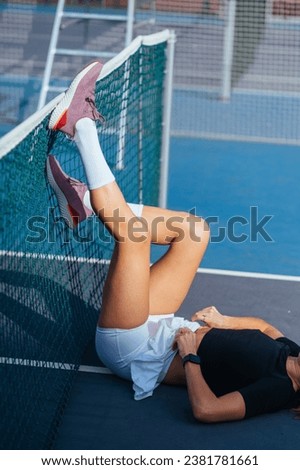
[(213, 318), (206, 406)]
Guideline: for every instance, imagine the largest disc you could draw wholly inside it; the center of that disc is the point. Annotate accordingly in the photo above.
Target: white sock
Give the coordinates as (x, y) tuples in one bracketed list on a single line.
[(97, 171), (137, 209)]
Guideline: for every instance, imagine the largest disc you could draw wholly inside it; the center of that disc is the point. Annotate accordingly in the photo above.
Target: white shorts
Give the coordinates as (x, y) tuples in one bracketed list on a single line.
[(143, 354)]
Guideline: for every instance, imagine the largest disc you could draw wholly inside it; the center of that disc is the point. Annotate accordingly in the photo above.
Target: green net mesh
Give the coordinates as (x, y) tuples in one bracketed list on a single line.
[(52, 277)]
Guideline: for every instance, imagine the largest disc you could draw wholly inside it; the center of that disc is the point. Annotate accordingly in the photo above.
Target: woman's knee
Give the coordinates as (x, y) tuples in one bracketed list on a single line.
[(199, 229), (195, 228)]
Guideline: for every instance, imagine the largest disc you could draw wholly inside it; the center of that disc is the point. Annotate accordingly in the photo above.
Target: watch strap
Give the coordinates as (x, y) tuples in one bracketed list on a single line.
[(191, 358)]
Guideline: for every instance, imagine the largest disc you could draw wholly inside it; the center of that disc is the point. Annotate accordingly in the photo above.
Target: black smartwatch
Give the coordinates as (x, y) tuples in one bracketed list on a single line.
[(191, 358)]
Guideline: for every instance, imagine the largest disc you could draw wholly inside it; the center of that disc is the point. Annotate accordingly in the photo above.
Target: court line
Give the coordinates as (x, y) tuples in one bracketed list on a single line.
[(234, 137), (237, 92), (217, 272), (254, 275), (95, 370)]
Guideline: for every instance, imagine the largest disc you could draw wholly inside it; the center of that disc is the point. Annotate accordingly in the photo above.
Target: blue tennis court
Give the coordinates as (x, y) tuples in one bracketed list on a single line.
[(247, 184)]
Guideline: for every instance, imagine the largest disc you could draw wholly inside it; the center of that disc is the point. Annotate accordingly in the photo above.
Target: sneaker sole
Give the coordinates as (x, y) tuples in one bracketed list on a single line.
[(61, 109), (62, 200)]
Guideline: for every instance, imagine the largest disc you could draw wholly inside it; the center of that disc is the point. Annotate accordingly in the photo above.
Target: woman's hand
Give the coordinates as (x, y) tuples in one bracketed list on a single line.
[(186, 342), (211, 316)]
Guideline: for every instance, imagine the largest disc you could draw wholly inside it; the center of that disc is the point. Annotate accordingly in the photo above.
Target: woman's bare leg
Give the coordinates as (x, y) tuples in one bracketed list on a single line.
[(133, 289), (172, 275)]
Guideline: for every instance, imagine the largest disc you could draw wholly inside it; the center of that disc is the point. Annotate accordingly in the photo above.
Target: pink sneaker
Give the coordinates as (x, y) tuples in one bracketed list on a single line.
[(69, 192), (78, 102)]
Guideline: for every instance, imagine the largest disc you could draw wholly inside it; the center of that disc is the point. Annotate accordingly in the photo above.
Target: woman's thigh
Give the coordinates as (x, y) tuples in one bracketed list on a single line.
[(125, 302)]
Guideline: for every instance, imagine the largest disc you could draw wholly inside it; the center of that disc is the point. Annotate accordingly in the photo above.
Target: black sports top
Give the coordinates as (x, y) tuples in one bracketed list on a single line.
[(251, 363)]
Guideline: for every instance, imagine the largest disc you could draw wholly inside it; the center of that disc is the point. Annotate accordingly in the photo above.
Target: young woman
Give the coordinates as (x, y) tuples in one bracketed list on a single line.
[(231, 373)]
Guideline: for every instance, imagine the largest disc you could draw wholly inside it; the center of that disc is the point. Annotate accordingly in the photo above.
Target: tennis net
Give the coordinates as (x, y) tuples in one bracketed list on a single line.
[(52, 277)]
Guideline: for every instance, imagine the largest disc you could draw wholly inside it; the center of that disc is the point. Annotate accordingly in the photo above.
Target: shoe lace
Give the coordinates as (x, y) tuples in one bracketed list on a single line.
[(73, 182), (95, 112)]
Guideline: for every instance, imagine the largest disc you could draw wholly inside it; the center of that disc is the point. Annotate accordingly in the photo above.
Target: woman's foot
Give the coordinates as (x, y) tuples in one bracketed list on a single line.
[(69, 192), (78, 102)]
